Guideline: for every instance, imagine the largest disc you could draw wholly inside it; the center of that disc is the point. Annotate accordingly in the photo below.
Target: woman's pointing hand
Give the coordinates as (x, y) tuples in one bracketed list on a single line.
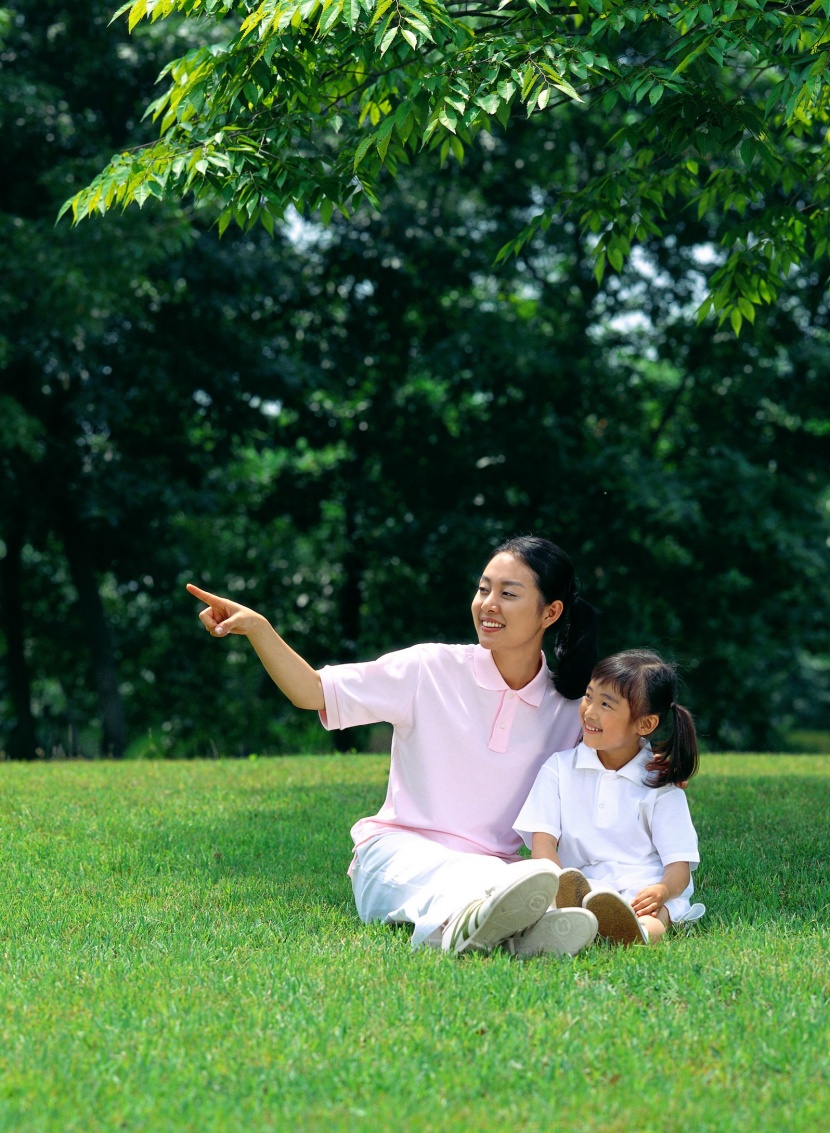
[(223, 615)]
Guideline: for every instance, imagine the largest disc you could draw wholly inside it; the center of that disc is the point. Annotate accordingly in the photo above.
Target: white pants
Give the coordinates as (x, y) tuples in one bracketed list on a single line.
[(408, 879)]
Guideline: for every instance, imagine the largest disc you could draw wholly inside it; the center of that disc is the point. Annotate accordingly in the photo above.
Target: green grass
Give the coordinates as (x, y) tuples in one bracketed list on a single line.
[(180, 952)]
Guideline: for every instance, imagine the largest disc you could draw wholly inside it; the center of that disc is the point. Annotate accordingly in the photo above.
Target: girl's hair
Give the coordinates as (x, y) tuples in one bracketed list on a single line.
[(575, 632), (649, 684)]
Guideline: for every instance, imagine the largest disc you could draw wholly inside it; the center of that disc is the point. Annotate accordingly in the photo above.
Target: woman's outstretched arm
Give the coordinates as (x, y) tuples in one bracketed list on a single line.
[(287, 669)]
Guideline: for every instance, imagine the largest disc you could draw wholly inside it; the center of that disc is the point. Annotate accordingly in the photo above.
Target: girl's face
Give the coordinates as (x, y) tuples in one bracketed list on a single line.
[(607, 726), (509, 611)]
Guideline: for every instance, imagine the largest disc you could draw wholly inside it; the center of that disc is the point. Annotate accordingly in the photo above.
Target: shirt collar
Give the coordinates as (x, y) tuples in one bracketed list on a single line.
[(587, 759), (488, 676)]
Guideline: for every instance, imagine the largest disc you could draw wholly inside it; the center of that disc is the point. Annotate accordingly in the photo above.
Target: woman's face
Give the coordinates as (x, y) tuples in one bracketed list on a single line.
[(509, 611)]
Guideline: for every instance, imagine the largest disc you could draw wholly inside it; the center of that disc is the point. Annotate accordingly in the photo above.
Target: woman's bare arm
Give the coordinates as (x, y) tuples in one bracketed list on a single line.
[(287, 669)]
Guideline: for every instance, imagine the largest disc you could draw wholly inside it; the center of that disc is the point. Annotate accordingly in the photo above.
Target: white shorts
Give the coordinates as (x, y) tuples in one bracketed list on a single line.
[(408, 879)]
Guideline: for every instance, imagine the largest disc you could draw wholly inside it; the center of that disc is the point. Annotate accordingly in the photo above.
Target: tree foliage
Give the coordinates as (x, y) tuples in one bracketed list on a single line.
[(338, 423), (718, 108)]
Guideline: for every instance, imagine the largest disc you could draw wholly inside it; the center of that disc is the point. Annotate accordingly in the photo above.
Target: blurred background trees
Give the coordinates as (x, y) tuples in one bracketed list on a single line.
[(336, 424)]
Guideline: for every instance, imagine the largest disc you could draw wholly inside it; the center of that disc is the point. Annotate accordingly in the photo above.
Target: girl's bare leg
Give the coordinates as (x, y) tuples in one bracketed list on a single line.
[(656, 926)]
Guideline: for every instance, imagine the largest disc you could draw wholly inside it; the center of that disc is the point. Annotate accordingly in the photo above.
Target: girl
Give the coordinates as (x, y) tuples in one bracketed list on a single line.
[(610, 808), (471, 726)]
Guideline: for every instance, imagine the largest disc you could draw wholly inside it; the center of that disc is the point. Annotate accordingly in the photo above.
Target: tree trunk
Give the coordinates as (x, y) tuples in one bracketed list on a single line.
[(76, 546), (23, 739)]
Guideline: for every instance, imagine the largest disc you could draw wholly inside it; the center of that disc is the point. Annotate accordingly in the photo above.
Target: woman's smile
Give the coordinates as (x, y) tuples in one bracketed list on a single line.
[(510, 614)]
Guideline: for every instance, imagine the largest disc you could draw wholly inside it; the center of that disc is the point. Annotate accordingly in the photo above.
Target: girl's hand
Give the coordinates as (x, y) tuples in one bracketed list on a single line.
[(650, 901), (224, 616)]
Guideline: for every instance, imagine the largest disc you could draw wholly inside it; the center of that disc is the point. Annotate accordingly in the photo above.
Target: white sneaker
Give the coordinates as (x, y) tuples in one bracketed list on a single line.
[(510, 908), (616, 919), (560, 932)]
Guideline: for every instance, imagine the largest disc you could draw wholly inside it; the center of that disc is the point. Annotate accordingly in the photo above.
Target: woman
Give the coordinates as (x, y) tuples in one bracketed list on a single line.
[(472, 726)]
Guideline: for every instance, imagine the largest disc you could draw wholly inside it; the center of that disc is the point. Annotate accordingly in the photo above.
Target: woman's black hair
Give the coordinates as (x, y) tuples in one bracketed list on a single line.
[(649, 684), (575, 632)]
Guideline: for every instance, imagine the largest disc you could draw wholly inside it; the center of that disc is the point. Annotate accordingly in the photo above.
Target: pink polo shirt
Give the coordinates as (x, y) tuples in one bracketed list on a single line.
[(466, 748)]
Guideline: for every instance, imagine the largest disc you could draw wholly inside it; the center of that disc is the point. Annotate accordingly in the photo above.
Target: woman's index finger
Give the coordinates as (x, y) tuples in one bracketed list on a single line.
[(205, 595)]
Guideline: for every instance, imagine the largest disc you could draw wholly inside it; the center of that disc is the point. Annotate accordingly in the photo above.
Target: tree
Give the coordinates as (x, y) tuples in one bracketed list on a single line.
[(722, 108), (76, 312), (338, 423), (444, 405), (55, 296)]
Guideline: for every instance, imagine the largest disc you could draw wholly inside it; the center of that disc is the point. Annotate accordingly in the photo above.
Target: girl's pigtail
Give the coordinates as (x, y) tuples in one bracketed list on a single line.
[(575, 652), (676, 757)]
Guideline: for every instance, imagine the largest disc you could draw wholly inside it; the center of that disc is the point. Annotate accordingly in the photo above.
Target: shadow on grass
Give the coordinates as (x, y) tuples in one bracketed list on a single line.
[(280, 844), (762, 840), (293, 841)]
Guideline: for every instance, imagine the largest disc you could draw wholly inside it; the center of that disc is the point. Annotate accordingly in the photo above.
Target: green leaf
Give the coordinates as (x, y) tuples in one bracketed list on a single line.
[(330, 16), (747, 309), (615, 258), (351, 13), (565, 86), (363, 149), (388, 40), (610, 99), (137, 12), (489, 102), (448, 118), (690, 57)]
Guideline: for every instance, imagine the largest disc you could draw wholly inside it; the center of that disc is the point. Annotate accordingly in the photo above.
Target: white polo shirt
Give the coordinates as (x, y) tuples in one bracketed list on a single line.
[(466, 748), (610, 825)]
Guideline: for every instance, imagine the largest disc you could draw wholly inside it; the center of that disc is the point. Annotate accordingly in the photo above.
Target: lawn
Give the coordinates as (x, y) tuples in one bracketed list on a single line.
[(180, 952)]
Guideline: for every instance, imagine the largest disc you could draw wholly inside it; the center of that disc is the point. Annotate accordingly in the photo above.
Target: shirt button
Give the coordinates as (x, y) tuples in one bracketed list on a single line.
[(511, 696), (501, 725), (602, 806)]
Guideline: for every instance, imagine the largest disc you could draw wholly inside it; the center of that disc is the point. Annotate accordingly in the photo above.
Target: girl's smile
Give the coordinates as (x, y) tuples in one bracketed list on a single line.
[(608, 728)]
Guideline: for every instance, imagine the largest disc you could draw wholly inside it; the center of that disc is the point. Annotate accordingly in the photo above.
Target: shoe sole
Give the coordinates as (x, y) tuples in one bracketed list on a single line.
[(560, 932), (573, 889), (616, 920), (516, 908)]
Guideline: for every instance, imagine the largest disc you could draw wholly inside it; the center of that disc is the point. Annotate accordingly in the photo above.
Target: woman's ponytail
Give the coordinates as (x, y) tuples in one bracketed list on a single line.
[(574, 634), (575, 648)]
